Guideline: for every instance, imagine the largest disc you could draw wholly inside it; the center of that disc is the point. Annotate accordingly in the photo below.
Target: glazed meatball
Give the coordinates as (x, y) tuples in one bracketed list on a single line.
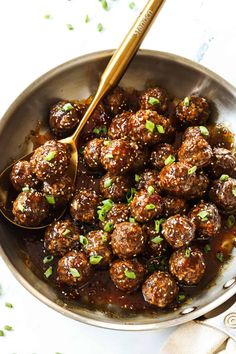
[(148, 178), (223, 194), (160, 289), (92, 153), (97, 248), (141, 156), (119, 126), (196, 132), (22, 176), (160, 154), (147, 127), (178, 231), (223, 162), (207, 219), (173, 206), (127, 275), (127, 240), (155, 99), (117, 214), (187, 265), (156, 245), (193, 110), (196, 152), (221, 137), (61, 237), (59, 192), (117, 101), (114, 187), (146, 205), (117, 157), (64, 117), (83, 207), (30, 208), (51, 160), (73, 269), (182, 181)]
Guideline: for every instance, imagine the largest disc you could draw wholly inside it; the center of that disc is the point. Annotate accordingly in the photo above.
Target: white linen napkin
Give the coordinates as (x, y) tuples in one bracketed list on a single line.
[(196, 338)]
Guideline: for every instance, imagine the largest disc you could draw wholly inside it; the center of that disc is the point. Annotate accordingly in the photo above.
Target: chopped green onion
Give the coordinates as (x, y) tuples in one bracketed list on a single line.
[(160, 129), (129, 274), (130, 194), (107, 143), (70, 27), (67, 107), (137, 178), (131, 219), (1, 333), (157, 239), (158, 224), (109, 156), (170, 159), (9, 305), (203, 215), (104, 129), (48, 272), (66, 232), (8, 328), (192, 170), (207, 248), (50, 156), (109, 226), (153, 101), (104, 238), (104, 5), (50, 199), (100, 27), (21, 207), (132, 5), (87, 19), (224, 178), (220, 256), (48, 17), (107, 182), (25, 189), (104, 209), (83, 240), (150, 126), (150, 190), (204, 130), (95, 259), (47, 259), (187, 252), (96, 131), (74, 272), (186, 101), (81, 150), (230, 221), (150, 206), (181, 297), (234, 192)]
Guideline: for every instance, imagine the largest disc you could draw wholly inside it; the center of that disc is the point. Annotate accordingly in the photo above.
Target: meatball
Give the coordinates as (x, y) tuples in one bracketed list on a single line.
[(127, 240), (160, 154), (195, 151), (223, 162), (178, 231), (223, 194), (22, 176), (148, 127), (64, 117), (59, 192), (84, 205), (114, 187), (117, 101), (117, 157), (51, 160), (193, 110), (30, 208), (119, 126), (92, 153), (156, 245), (97, 248), (207, 219), (187, 265), (181, 180), (73, 269), (155, 99), (146, 205), (127, 275), (173, 206), (196, 132), (61, 237), (148, 178), (141, 156), (160, 289), (117, 214)]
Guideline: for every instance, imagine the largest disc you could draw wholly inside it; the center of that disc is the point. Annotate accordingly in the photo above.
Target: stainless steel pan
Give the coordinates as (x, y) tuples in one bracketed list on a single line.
[(77, 79)]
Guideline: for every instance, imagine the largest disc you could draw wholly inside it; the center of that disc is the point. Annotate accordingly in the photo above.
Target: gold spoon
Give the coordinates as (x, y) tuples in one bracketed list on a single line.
[(111, 76)]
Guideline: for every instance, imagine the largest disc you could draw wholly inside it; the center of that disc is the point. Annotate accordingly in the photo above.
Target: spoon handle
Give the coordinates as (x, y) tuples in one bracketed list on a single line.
[(122, 57)]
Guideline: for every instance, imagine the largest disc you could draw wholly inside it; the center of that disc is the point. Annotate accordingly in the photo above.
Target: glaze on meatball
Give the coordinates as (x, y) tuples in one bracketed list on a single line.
[(84, 205), (118, 213), (119, 126), (173, 205), (223, 194), (114, 187), (179, 179), (117, 101), (178, 231), (187, 265), (155, 99), (160, 289), (196, 132), (127, 275), (156, 245), (127, 240), (73, 269), (193, 110), (97, 246), (51, 160), (148, 178), (196, 152), (92, 153), (141, 156), (30, 208), (22, 176), (223, 162), (60, 192), (207, 219), (160, 153), (61, 237), (146, 206)]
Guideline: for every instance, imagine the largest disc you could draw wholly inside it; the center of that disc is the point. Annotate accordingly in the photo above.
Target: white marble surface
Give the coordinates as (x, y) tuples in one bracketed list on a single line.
[(202, 30)]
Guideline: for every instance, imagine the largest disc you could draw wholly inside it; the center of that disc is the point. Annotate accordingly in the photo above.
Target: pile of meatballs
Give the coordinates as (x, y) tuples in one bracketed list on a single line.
[(160, 186)]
